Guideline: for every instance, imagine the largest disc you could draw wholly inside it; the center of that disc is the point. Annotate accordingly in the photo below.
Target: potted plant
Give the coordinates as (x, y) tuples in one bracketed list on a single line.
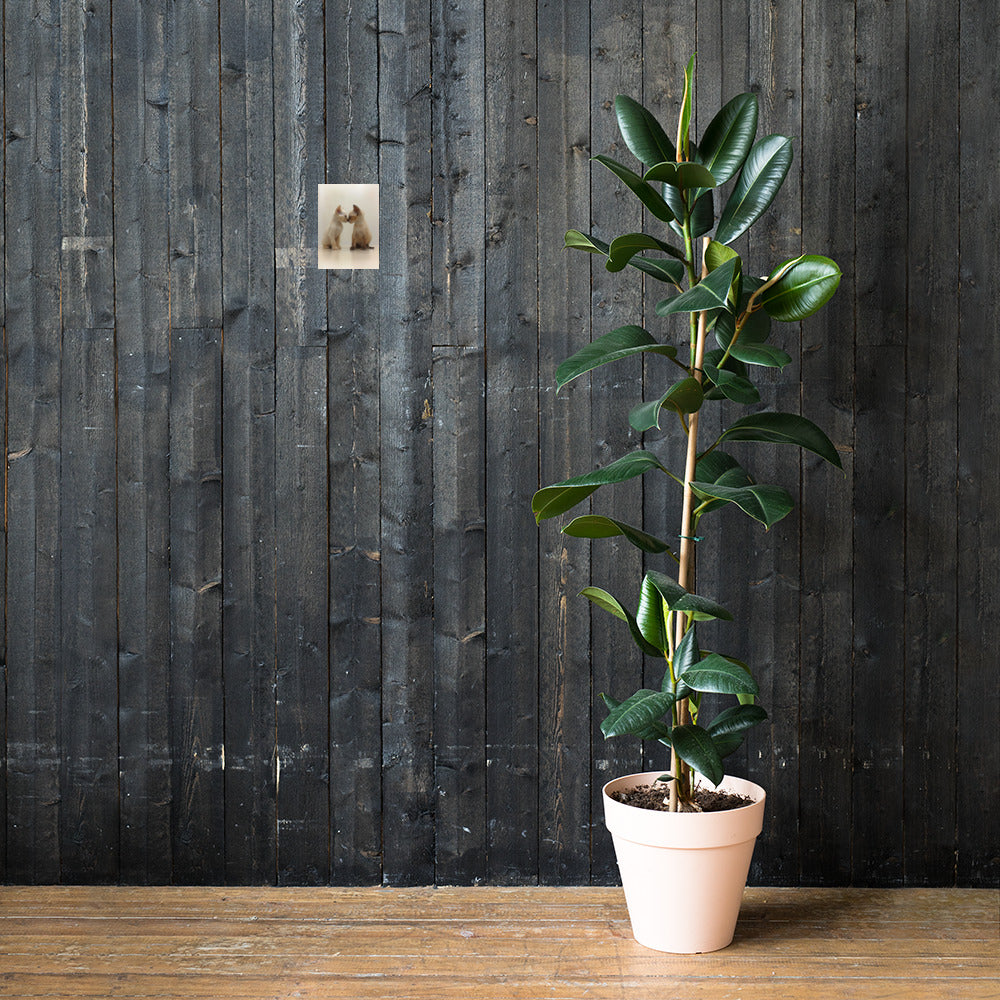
[(684, 865)]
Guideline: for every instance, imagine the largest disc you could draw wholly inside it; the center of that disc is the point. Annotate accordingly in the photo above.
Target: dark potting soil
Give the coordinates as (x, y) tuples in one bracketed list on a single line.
[(657, 797)]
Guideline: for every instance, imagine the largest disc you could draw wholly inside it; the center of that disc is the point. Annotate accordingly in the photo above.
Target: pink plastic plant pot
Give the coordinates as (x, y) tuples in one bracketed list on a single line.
[(684, 873)]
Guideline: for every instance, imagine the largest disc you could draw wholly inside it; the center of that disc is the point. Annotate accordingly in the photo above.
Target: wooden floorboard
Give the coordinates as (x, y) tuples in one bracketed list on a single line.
[(488, 943)]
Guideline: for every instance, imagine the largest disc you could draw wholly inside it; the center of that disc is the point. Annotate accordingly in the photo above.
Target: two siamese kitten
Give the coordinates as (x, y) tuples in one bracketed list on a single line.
[(361, 235)]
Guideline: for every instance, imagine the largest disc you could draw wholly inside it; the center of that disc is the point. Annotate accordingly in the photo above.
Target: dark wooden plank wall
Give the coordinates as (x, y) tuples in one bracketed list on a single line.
[(275, 609)]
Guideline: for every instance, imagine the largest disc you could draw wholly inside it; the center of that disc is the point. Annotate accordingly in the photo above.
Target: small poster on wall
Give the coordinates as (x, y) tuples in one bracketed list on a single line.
[(348, 225)]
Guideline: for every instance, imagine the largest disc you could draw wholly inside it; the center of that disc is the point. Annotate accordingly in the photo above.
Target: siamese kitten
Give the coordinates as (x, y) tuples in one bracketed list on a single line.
[(332, 239), (361, 235)]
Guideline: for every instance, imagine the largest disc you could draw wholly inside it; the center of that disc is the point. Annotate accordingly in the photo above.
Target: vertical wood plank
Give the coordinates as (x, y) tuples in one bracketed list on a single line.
[(615, 300), (32, 224), (457, 56), (301, 477), (827, 399), (406, 434), (248, 486), (978, 703), (564, 563), (459, 620), (88, 699), (773, 558), (929, 763), (193, 113), (354, 522), (196, 709), (880, 439), (142, 289), (87, 261), (512, 442)]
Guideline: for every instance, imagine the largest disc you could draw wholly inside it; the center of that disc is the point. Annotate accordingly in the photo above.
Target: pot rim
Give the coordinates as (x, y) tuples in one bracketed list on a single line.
[(649, 777)]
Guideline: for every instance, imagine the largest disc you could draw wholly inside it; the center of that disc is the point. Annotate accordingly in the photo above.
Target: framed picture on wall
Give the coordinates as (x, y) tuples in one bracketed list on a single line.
[(347, 220)]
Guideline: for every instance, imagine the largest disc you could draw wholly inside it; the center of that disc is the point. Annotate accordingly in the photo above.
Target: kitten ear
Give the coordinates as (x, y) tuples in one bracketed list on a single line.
[(339, 209), (356, 209)]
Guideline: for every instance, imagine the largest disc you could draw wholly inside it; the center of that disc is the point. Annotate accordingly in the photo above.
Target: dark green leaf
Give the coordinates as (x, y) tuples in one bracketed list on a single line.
[(762, 175), (802, 290), (783, 428), (650, 616), (684, 396), (579, 241), (718, 675), (712, 358), (702, 215), (560, 497), (756, 329), (695, 746), (732, 386), (767, 504), (681, 175), (624, 342), (712, 292), (685, 656), (646, 194), (727, 744), (624, 248), (728, 138), (766, 355), (608, 603), (654, 731), (662, 305), (679, 599), (719, 468), (595, 526), (736, 719), (671, 271), (642, 133), (636, 714)]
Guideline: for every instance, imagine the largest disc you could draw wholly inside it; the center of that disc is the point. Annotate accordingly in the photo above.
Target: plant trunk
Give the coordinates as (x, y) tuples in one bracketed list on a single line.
[(680, 786)]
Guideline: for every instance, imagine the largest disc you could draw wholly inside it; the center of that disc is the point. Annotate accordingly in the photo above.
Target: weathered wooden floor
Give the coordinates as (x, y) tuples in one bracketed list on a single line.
[(917, 944)]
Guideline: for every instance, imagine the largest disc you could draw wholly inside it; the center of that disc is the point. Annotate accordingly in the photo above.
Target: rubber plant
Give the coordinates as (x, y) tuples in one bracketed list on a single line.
[(707, 291)]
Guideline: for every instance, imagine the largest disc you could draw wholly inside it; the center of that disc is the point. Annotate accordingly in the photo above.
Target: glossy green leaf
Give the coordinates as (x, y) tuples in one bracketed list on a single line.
[(802, 290), (695, 746), (783, 428), (686, 656), (736, 719), (671, 271), (765, 355), (684, 119), (635, 714), (551, 501), (762, 175), (681, 175), (729, 136), (679, 599), (712, 292), (756, 329), (727, 743), (715, 674), (713, 358), (703, 215), (651, 617), (716, 254), (606, 602), (624, 248), (732, 386), (580, 241), (767, 504), (643, 191), (595, 526), (624, 342), (654, 731), (684, 396), (661, 308), (642, 133)]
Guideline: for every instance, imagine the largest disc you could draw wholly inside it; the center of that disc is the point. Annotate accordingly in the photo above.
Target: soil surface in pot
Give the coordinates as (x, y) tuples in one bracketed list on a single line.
[(657, 798)]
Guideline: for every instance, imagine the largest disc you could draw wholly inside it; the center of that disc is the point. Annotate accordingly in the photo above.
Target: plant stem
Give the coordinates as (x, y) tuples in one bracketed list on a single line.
[(686, 563)]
